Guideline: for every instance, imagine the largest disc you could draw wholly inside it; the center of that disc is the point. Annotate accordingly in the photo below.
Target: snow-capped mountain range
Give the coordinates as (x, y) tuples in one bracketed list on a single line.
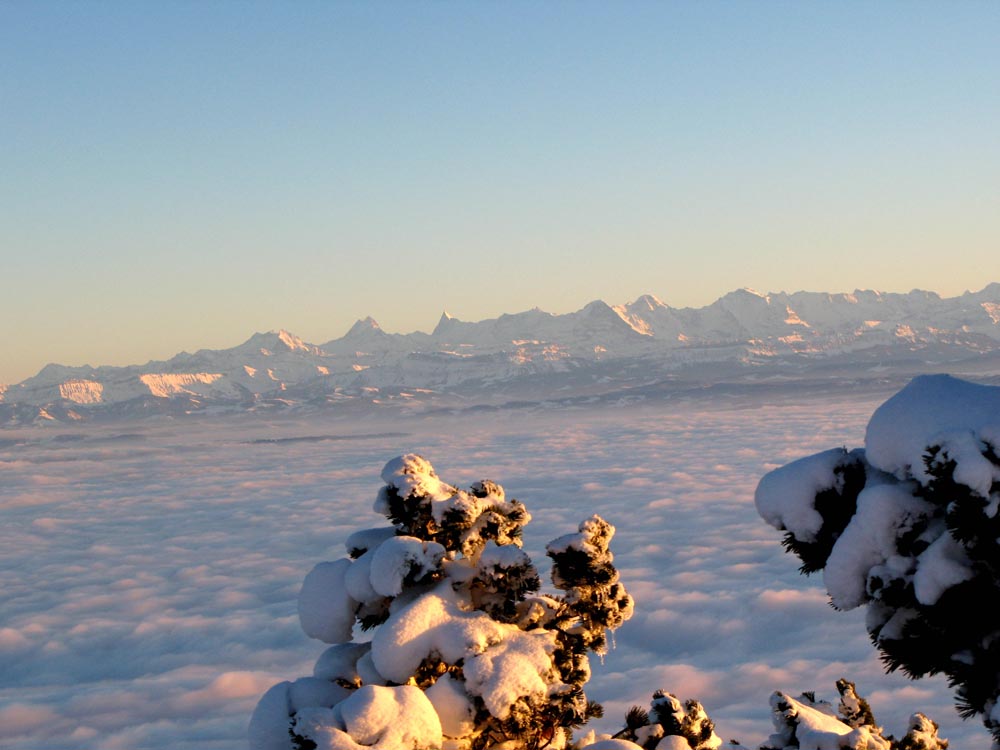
[(600, 351)]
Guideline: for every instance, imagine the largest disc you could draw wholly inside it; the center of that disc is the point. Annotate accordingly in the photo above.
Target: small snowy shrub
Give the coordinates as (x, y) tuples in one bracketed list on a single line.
[(909, 527), (802, 723), (670, 724), (809, 724), (464, 652)]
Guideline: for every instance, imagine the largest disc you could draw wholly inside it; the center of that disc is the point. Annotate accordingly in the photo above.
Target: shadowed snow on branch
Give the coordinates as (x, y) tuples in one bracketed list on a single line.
[(464, 652)]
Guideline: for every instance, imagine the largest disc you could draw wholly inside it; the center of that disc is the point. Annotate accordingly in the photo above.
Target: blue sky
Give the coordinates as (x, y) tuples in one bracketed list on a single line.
[(179, 175)]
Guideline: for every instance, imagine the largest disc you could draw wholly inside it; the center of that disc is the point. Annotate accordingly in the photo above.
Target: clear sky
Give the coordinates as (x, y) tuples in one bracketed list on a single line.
[(179, 175)]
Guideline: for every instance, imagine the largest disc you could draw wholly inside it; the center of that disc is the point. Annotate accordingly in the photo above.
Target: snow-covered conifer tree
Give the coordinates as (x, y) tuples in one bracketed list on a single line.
[(671, 724), (464, 653), (910, 527)]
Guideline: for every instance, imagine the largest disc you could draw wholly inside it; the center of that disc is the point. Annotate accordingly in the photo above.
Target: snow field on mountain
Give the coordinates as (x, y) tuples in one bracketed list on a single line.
[(150, 572)]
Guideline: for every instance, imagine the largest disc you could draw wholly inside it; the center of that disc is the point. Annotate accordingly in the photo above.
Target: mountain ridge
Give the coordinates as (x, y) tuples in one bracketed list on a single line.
[(743, 331)]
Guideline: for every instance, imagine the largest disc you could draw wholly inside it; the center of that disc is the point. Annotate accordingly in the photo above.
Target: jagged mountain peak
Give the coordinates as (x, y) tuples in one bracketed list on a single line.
[(923, 294), (868, 295), (55, 373), (599, 309), (600, 314), (989, 294), (747, 294), (52, 369), (535, 313), (276, 341), (363, 326), (647, 301), (446, 322), (366, 336), (291, 341)]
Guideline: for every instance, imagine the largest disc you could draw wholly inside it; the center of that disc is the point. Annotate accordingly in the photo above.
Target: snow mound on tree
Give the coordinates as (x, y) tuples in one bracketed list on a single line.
[(370, 719), (271, 719), (613, 744), (453, 705), (502, 662), (785, 495), (870, 541), (339, 663), (399, 557), (326, 610), (930, 410)]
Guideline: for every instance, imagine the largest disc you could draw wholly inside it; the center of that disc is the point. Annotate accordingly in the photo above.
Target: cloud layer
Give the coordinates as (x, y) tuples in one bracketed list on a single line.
[(148, 580)]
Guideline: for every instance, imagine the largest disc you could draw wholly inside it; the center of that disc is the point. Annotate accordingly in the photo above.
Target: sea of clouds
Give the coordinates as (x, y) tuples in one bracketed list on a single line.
[(150, 571)]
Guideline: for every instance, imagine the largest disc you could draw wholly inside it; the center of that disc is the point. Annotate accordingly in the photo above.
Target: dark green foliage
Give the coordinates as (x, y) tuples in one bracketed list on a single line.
[(582, 567), (636, 717), (965, 512), (373, 620), (532, 724), (665, 711), (499, 590), (301, 743)]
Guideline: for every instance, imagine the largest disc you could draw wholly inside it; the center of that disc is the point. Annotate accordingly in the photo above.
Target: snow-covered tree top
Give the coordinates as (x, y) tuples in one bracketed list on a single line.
[(413, 474), (932, 410)]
